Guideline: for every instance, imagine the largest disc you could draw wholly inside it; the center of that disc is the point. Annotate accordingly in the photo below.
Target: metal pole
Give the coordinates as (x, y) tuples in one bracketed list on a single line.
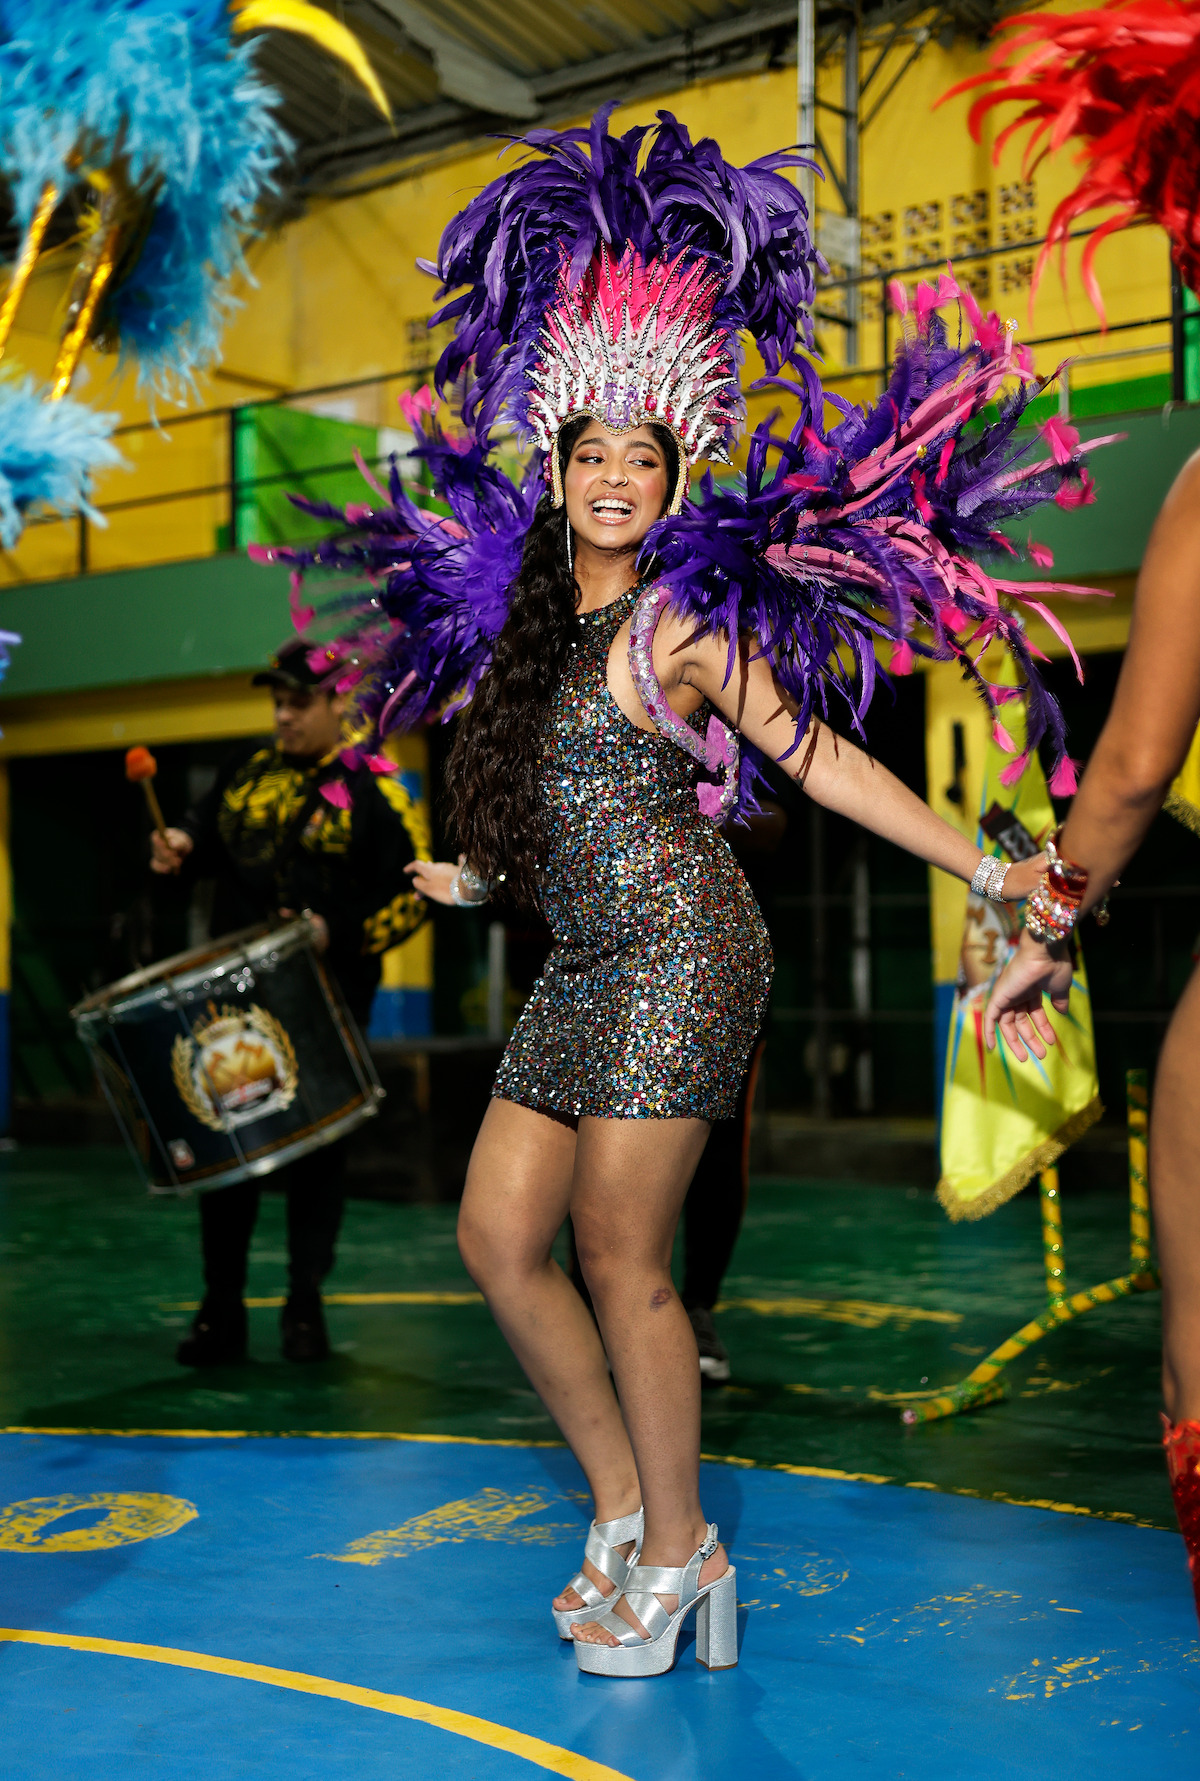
[(1178, 372), (860, 974), (496, 977), (806, 92), (233, 479), (850, 158), (820, 964)]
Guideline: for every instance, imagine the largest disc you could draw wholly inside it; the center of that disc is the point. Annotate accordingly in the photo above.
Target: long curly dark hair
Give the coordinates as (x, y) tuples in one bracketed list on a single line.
[(493, 766)]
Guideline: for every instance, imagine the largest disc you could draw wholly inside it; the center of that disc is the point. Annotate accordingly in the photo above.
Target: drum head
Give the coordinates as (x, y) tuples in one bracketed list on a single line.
[(186, 968)]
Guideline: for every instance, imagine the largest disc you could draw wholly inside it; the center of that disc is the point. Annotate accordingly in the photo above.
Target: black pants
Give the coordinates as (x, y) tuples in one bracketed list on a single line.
[(715, 1203), (314, 1188)]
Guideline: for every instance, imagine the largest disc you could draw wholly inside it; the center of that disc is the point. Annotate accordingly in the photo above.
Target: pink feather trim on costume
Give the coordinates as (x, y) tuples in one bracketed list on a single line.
[(1002, 739), (336, 793), (1009, 775), (1062, 439), (1064, 781)]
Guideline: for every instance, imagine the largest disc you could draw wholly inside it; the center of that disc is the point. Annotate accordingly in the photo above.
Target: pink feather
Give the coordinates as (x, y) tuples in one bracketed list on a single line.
[(1064, 781)]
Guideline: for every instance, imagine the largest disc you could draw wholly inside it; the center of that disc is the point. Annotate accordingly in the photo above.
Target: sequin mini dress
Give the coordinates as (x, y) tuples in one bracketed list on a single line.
[(657, 982)]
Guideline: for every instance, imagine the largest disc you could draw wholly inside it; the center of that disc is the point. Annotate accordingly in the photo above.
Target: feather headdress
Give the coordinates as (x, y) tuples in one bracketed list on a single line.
[(1123, 83), (613, 275), (868, 533)]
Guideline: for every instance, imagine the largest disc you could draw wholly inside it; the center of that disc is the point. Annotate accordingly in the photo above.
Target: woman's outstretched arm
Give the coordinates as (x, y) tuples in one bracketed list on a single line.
[(834, 772), (1154, 716)]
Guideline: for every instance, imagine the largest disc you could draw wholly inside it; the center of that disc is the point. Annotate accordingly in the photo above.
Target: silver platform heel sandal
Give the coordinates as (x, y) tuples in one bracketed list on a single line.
[(603, 1539), (716, 1619)]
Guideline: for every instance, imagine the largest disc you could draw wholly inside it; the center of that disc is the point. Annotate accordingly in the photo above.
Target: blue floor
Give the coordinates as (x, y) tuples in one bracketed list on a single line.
[(885, 1631)]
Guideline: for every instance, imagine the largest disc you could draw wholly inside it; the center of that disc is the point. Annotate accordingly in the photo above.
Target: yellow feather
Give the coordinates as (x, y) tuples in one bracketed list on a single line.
[(311, 21)]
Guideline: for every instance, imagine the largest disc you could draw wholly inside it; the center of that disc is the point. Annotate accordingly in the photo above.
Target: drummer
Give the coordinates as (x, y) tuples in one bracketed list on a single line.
[(274, 845)]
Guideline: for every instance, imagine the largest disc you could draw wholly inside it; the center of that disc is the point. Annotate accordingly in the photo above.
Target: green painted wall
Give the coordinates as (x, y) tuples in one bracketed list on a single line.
[(216, 615), (1132, 477)]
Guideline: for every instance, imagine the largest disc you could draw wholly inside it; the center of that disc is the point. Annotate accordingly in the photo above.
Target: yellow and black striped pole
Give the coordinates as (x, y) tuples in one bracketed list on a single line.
[(984, 1385)]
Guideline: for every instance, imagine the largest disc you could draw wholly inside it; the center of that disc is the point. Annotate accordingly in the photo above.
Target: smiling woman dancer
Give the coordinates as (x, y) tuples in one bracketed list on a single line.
[(596, 624)]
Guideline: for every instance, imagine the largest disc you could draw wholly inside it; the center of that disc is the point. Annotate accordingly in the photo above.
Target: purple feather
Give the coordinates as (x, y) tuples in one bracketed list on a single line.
[(504, 253), (430, 591)]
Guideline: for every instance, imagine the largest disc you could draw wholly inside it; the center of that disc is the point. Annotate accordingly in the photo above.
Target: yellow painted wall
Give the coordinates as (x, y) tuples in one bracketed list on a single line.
[(338, 295)]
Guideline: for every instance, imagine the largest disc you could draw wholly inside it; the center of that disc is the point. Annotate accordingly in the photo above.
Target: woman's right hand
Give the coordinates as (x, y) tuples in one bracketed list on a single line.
[(1016, 1005), (168, 854), (433, 878)]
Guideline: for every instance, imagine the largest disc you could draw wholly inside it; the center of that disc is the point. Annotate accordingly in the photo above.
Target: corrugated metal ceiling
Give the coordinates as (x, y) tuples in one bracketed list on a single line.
[(457, 70)]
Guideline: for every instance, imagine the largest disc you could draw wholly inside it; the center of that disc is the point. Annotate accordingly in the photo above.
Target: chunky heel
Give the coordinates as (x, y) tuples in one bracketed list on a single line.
[(635, 1655), (716, 1624), (603, 1539)]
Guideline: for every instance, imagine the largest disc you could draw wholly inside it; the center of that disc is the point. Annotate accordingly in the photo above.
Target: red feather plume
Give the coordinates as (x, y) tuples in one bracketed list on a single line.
[(1123, 81)]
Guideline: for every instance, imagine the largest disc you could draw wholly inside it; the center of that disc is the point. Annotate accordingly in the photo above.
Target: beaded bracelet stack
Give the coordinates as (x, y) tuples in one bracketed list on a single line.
[(1053, 909)]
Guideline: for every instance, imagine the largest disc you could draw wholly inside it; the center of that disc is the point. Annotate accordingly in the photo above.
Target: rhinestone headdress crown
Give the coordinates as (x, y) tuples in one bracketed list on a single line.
[(632, 342)]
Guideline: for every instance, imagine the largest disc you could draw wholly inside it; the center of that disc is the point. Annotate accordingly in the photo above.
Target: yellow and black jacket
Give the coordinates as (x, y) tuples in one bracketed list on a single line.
[(271, 840)]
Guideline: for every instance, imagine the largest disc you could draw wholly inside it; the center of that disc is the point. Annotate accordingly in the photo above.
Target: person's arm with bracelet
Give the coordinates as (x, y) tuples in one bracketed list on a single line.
[(442, 882), (1155, 713)]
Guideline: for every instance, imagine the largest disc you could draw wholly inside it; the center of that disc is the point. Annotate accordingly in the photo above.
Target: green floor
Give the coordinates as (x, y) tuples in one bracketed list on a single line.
[(96, 1283)]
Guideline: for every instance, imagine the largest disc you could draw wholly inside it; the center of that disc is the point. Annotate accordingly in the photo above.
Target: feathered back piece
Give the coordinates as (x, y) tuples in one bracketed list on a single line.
[(1123, 83), (416, 632), (875, 529), (871, 532), (612, 275)]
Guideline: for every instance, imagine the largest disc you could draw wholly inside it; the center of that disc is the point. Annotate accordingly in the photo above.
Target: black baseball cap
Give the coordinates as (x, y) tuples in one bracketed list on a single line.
[(290, 667)]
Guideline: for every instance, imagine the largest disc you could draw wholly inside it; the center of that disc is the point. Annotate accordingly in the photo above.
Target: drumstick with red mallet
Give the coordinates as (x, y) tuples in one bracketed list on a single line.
[(140, 768)]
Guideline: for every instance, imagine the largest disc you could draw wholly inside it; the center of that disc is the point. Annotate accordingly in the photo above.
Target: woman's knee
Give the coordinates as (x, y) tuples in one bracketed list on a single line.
[(495, 1250), (612, 1265)]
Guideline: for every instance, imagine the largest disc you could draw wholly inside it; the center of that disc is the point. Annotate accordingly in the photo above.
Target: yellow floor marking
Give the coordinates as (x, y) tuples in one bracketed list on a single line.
[(465, 1725), (130, 1517), (488, 1515), (358, 1298), (865, 1314), (716, 1459)]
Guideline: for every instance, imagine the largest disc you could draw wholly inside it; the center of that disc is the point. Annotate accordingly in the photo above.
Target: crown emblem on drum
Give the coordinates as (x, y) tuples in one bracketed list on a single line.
[(237, 1066)]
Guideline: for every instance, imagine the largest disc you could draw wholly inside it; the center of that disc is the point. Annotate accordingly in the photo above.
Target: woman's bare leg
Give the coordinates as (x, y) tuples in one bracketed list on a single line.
[(630, 1180), (1175, 1191), (515, 1201)]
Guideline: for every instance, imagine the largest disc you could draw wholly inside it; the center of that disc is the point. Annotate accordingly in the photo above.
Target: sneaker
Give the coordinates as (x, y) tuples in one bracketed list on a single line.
[(217, 1337), (714, 1360), (302, 1327)]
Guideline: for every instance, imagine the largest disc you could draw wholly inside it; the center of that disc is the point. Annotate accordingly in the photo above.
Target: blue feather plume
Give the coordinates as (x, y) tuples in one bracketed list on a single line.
[(49, 453), (160, 84)]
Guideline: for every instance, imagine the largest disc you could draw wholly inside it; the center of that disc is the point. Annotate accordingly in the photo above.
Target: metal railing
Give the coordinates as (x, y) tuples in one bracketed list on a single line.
[(234, 491)]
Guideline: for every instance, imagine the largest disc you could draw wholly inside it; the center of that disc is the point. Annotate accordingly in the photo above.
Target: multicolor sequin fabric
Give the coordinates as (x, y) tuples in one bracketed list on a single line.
[(657, 984)]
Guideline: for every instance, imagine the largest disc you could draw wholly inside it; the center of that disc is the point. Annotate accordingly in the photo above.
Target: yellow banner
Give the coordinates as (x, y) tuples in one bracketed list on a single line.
[(1003, 1122), (1183, 799)]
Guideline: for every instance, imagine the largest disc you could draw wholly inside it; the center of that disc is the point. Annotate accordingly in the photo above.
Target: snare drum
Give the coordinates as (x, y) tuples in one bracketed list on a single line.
[(231, 1060)]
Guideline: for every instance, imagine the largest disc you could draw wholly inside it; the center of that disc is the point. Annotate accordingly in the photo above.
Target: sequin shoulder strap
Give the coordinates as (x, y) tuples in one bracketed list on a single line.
[(718, 751)]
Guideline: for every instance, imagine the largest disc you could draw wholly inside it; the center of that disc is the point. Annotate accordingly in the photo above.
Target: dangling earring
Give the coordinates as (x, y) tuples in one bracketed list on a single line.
[(570, 563)]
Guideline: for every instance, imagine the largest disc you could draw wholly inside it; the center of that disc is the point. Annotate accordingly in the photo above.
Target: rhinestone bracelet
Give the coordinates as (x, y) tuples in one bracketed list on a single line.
[(468, 889), (989, 878)]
